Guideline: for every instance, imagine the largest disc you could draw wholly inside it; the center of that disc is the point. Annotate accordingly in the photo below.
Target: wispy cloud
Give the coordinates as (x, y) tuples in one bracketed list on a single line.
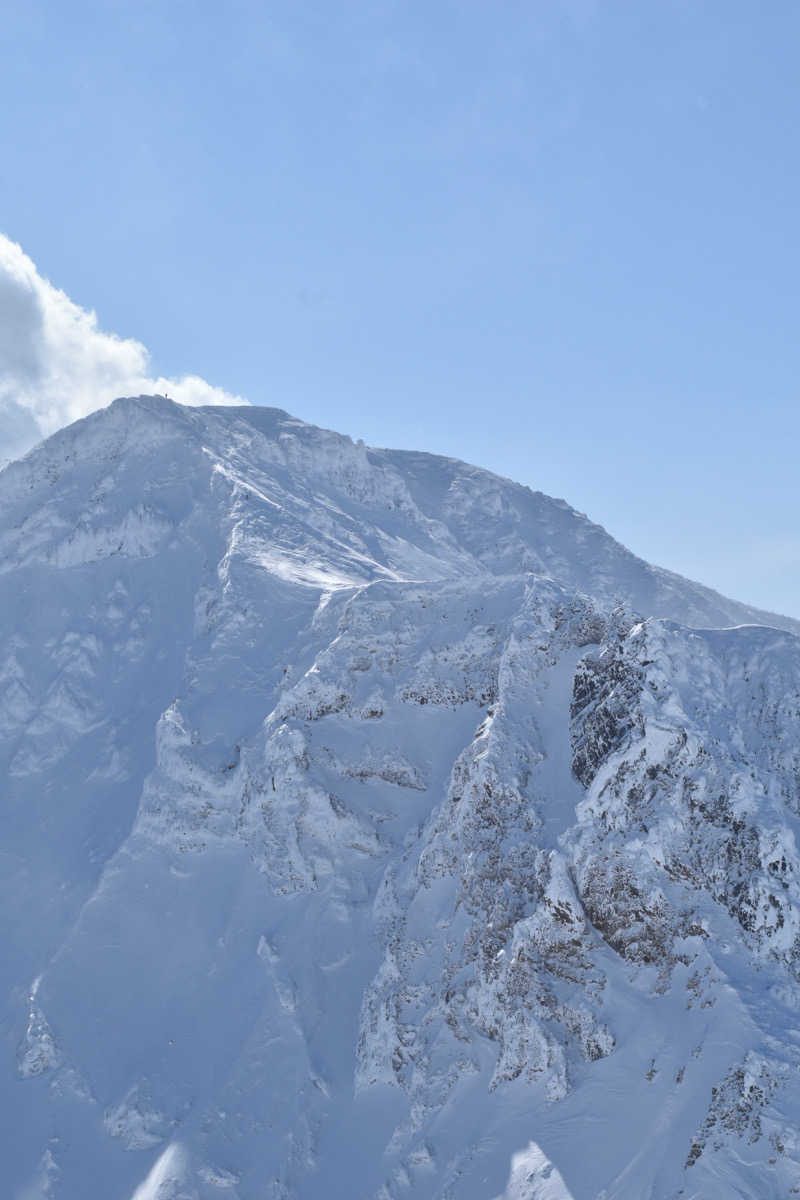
[(56, 364)]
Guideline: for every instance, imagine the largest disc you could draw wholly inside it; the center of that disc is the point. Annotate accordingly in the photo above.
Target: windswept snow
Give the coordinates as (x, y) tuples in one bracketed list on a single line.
[(376, 827)]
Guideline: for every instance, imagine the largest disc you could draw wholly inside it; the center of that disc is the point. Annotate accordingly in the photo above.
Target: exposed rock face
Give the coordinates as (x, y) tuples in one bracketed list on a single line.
[(376, 827)]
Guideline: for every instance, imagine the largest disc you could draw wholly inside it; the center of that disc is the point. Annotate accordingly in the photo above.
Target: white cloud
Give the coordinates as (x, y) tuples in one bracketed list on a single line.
[(56, 364)]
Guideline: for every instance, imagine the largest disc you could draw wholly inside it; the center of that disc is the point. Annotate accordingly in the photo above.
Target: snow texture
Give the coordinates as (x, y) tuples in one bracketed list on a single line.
[(376, 827)]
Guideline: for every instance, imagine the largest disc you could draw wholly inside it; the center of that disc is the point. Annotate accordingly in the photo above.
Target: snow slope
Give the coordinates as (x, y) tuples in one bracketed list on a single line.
[(376, 827)]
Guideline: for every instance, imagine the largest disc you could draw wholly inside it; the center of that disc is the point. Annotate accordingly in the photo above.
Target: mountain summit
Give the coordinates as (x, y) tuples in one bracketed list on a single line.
[(376, 827)]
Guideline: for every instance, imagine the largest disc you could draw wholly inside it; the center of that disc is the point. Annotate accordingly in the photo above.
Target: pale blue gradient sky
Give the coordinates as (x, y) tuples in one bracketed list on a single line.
[(559, 238)]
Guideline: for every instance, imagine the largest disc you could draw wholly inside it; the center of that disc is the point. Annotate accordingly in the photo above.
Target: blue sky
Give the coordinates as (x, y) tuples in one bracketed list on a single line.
[(555, 238)]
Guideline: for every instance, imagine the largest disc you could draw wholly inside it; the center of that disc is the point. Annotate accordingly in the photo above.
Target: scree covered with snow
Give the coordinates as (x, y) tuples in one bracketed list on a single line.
[(375, 827)]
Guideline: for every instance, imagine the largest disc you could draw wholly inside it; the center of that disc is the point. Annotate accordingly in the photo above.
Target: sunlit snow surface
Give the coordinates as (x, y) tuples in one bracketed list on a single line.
[(375, 827)]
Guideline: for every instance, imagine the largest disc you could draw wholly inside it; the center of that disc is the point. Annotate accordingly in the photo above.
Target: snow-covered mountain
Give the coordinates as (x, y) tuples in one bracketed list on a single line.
[(375, 827)]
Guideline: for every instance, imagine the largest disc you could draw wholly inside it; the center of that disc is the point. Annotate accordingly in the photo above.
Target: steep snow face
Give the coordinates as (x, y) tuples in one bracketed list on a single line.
[(373, 826), (310, 506)]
